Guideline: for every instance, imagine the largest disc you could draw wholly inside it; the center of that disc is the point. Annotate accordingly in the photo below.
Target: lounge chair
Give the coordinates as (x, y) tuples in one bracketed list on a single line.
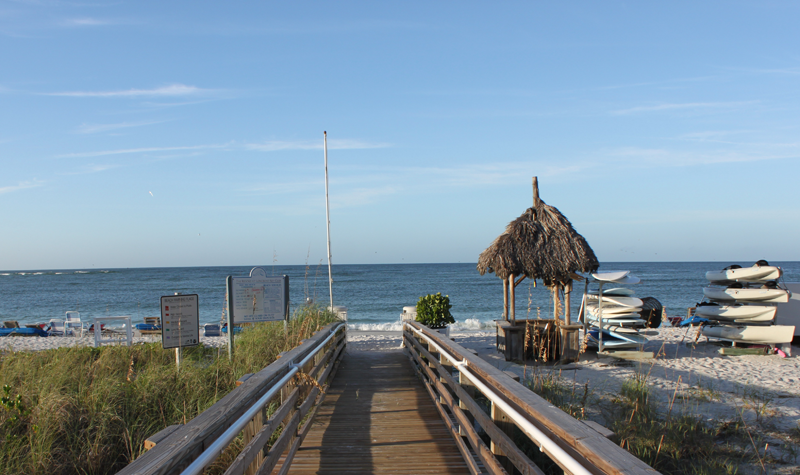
[(72, 323), (55, 327)]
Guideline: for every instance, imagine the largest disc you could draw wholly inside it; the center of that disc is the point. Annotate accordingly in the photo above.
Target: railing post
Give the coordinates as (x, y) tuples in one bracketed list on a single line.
[(470, 390), (446, 366), (248, 433), (505, 424)]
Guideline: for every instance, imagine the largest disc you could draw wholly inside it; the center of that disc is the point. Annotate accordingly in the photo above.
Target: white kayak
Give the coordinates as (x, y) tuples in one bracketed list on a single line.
[(747, 295), (618, 339), (612, 309), (745, 274), (738, 312), (618, 300), (620, 320), (618, 291), (770, 334), (617, 277)]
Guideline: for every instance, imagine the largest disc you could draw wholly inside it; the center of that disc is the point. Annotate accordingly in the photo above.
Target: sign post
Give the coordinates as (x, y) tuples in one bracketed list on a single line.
[(180, 323), (256, 298)]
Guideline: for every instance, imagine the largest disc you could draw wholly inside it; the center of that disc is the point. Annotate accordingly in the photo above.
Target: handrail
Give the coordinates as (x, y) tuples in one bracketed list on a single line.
[(575, 447), (196, 444), (534, 433), (215, 450)]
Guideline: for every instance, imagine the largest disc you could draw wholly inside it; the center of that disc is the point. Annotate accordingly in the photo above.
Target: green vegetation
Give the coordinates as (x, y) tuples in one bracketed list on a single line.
[(89, 410), (676, 440), (433, 310)]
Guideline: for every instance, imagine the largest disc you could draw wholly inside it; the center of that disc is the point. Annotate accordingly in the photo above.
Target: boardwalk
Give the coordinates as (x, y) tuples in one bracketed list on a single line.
[(378, 418)]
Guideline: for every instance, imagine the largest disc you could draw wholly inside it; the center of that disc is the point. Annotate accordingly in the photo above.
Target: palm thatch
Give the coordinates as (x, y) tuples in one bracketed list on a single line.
[(540, 244)]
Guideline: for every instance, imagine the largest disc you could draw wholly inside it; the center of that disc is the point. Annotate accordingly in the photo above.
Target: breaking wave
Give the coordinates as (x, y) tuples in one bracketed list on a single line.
[(470, 324)]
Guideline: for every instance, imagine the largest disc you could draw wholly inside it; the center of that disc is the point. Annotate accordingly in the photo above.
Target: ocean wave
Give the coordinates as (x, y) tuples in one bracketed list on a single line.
[(470, 324), (376, 327), (81, 272)]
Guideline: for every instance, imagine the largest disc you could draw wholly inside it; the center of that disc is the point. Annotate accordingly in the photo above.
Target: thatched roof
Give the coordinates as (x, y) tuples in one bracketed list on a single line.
[(541, 244)]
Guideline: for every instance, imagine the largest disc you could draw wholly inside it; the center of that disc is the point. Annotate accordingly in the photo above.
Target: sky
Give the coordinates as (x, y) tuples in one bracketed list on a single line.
[(190, 133)]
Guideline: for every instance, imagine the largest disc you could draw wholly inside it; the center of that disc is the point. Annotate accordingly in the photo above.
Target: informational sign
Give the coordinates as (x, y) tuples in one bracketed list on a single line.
[(258, 298), (180, 321)]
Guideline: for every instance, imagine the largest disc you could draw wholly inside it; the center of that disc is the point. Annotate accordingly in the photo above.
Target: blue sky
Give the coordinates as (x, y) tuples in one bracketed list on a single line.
[(137, 134)]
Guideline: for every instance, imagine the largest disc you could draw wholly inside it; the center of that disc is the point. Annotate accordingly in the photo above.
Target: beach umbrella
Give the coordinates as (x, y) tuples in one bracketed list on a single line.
[(540, 244)]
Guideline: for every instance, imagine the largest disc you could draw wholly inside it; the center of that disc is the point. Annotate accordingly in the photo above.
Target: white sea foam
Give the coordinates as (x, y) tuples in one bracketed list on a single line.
[(470, 324), (376, 327), (81, 271)]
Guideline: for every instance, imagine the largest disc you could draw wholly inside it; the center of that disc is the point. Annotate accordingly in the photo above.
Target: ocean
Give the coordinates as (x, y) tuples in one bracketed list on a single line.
[(373, 294)]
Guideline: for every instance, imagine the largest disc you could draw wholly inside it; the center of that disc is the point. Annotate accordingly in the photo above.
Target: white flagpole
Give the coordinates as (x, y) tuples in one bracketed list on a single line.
[(328, 218)]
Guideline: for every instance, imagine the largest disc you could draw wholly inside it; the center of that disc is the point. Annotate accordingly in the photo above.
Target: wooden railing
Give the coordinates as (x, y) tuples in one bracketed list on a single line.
[(488, 438), (295, 383)]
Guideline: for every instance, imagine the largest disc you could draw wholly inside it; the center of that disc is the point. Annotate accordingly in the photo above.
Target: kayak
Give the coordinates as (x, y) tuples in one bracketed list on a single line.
[(618, 291), (745, 274), (747, 295), (22, 332), (618, 277), (616, 300), (769, 334), (738, 312), (612, 309)]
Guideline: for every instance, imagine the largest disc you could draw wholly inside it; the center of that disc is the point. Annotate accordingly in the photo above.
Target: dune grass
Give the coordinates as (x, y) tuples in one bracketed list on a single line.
[(673, 441), (89, 410)]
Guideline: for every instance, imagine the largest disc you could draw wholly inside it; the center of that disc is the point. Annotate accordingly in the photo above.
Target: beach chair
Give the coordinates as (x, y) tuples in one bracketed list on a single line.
[(55, 327), (211, 329), (72, 323), (10, 324)]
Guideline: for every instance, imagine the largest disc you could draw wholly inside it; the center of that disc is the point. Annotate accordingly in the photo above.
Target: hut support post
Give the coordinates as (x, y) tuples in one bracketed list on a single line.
[(567, 303), (512, 300), (600, 317), (505, 299), (554, 290)]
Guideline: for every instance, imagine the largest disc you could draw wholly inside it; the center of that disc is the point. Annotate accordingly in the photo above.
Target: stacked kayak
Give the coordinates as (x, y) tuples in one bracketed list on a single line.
[(741, 303), (611, 313)]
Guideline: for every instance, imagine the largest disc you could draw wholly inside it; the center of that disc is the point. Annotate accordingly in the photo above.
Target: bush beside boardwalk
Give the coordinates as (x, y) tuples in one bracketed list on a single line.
[(89, 410)]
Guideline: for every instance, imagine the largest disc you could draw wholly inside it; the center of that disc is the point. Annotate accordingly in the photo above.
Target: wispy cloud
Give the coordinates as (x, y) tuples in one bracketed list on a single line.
[(23, 185), (670, 158), (84, 22), (98, 128), (94, 168), (682, 106), (333, 144), (164, 91), (125, 151)]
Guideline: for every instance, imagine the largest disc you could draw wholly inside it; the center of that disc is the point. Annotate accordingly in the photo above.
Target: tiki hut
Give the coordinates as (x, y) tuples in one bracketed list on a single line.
[(540, 244)]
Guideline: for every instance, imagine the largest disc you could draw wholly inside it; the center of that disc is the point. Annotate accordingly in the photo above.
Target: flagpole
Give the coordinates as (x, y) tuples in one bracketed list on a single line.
[(328, 218)]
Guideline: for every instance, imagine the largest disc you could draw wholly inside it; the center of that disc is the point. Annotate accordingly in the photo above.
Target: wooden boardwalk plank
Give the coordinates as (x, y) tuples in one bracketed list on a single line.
[(378, 418)]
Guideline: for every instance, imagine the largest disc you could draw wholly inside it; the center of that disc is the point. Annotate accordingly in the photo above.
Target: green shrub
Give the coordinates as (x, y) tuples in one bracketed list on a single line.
[(434, 310)]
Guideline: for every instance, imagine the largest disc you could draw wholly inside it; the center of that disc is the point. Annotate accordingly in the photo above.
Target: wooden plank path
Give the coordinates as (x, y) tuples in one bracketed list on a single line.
[(378, 418)]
